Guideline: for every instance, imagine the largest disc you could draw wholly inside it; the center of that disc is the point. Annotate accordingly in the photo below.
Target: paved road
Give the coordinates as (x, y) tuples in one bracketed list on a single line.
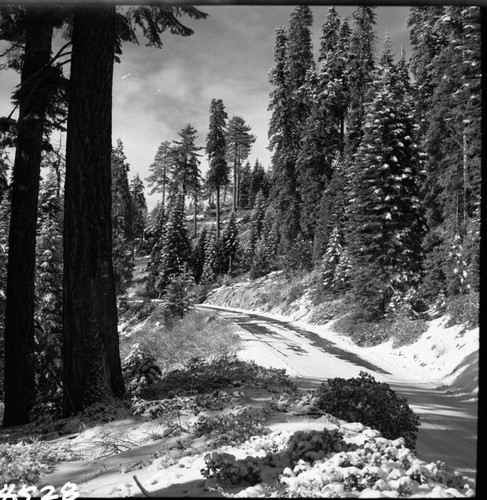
[(448, 429)]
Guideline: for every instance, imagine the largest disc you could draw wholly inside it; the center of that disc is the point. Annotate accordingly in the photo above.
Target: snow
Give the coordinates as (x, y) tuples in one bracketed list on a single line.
[(171, 467), (441, 356)]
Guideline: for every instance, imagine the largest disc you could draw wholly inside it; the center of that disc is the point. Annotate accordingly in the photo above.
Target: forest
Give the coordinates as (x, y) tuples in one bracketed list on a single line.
[(374, 187)]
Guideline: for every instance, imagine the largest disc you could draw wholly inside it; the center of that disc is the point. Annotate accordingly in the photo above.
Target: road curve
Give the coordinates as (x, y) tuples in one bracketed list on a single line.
[(448, 429)]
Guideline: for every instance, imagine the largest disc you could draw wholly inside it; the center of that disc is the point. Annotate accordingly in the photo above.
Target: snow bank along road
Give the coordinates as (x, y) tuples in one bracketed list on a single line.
[(448, 429)]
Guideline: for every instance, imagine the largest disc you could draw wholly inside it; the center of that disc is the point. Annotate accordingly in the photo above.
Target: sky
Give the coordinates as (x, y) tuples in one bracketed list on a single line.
[(156, 92)]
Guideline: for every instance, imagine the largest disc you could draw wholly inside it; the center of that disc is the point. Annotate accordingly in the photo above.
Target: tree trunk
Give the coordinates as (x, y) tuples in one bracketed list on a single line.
[(92, 367), (218, 213), (19, 309)]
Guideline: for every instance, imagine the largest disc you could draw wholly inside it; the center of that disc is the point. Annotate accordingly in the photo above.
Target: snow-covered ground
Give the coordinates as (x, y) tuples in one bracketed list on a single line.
[(442, 356), (172, 466)]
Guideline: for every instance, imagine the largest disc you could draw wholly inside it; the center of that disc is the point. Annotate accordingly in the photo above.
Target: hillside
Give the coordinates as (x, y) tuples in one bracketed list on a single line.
[(447, 355)]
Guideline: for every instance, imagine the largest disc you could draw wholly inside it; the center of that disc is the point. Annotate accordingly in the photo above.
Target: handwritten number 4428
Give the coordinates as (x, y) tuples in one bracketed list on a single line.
[(69, 492)]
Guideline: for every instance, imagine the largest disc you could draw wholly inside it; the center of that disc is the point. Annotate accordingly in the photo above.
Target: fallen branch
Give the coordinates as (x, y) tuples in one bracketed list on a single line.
[(142, 489)]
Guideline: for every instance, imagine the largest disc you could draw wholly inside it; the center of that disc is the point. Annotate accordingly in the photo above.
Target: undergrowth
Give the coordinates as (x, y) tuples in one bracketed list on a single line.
[(197, 334), (26, 462), (363, 399), (202, 376)]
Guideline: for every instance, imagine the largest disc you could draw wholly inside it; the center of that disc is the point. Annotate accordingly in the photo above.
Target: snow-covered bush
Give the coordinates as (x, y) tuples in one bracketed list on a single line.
[(313, 445), (232, 427), (25, 462), (463, 309), (139, 370), (405, 331), (363, 399), (355, 461), (201, 376), (225, 467)]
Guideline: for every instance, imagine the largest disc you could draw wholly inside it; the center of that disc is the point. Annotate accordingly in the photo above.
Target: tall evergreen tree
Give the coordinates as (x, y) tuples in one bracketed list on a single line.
[(209, 274), (332, 208), (198, 255), (386, 217), (239, 142), (230, 244), (359, 69), (218, 174), (48, 290), (122, 220), (176, 248), (290, 108), (161, 171), (33, 26), (158, 241), (92, 368), (246, 187), (185, 161), (258, 182), (139, 208)]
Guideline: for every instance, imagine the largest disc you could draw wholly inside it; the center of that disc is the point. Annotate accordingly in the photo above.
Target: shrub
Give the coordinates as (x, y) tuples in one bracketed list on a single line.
[(295, 292), (198, 334), (139, 370), (363, 333), (225, 467), (178, 298), (26, 462), (363, 399), (315, 445), (405, 331), (234, 427), (299, 257), (201, 376), (329, 310), (463, 309)]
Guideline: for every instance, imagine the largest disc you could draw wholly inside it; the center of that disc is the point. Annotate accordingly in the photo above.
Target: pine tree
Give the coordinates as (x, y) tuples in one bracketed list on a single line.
[(230, 244), (258, 215), (187, 176), (32, 27), (239, 142), (139, 208), (290, 109), (332, 208), (246, 187), (198, 255), (122, 221), (331, 259), (92, 367), (386, 217), (178, 298), (299, 257), (176, 248), (426, 42), (452, 140), (153, 266), (258, 182), (4, 223), (209, 273), (218, 174), (161, 171), (48, 290), (359, 70), (265, 252)]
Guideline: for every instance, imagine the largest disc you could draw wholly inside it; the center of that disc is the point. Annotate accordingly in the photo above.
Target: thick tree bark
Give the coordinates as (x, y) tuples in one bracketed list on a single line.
[(19, 309), (92, 367)]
